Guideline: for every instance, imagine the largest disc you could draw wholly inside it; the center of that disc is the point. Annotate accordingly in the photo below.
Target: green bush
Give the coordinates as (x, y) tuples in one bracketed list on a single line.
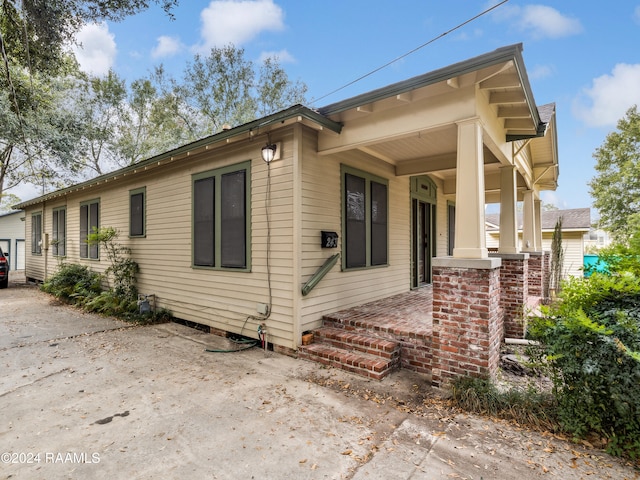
[(591, 342), (78, 285), (109, 303), (73, 282), (122, 268)]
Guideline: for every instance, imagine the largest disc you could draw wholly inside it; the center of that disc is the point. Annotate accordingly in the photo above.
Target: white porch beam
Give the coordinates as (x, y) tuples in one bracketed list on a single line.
[(414, 117), (470, 239), (420, 166), (529, 223), (508, 211), (537, 207)]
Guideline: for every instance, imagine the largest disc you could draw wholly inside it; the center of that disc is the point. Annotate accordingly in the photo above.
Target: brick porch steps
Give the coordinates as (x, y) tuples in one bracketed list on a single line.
[(360, 363), (352, 351), (376, 338), (354, 341)]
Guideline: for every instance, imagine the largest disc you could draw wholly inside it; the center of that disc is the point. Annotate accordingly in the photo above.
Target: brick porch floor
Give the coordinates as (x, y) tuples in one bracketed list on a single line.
[(404, 319)]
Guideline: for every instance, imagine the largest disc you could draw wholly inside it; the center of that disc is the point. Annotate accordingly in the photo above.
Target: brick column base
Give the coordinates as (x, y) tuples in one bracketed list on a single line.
[(514, 292), (467, 318), (536, 274)]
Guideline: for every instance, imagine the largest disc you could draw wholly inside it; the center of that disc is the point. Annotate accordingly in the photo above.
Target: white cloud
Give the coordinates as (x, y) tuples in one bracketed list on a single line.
[(540, 21), (167, 47), (282, 56), (552, 198), (541, 71), (609, 97), (96, 50), (227, 22), (636, 14)]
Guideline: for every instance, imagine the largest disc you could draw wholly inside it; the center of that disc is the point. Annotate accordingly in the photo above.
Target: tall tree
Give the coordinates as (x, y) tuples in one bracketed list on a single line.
[(219, 86), (93, 125), (37, 139), (275, 91), (98, 106), (221, 89), (616, 186), (35, 33)]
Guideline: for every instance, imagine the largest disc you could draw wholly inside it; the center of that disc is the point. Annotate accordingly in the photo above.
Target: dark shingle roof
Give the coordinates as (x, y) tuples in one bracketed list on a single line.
[(572, 219)]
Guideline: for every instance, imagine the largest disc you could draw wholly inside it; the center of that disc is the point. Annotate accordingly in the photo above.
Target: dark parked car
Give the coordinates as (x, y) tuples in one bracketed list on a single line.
[(4, 270)]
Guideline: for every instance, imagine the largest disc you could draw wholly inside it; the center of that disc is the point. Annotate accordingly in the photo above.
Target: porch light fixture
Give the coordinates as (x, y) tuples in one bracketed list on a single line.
[(269, 152)]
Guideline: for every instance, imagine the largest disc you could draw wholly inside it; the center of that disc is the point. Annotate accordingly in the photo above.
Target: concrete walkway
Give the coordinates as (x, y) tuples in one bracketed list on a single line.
[(89, 397)]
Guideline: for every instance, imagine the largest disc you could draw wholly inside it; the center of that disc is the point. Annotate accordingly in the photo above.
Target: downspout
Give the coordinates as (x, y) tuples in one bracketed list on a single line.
[(45, 243)]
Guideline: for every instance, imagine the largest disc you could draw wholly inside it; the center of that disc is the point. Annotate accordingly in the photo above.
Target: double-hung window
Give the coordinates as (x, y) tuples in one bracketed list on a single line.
[(137, 212), (221, 220), (365, 219), (59, 231), (36, 233), (89, 218)]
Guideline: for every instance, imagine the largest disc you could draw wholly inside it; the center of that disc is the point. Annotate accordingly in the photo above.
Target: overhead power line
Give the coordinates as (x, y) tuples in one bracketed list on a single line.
[(412, 51)]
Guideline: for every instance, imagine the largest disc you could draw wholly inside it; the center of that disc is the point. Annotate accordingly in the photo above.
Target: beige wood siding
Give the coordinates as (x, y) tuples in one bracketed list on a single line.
[(321, 207), (493, 239), (572, 244), (305, 198), (573, 247), (225, 300), (34, 263)]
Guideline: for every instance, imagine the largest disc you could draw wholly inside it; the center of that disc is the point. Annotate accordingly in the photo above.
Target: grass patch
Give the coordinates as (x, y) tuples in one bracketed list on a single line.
[(524, 406)]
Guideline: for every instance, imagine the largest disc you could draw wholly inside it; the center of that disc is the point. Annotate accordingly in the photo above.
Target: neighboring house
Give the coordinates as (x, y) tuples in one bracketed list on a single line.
[(575, 224), (596, 239), (12, 238), (394, 181)]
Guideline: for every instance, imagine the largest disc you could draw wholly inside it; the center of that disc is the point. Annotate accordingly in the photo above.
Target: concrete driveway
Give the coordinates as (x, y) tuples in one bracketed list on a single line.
[(84, 396)]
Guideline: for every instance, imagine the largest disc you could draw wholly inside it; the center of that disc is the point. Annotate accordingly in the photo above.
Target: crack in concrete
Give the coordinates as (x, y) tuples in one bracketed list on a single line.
[(36, 381)]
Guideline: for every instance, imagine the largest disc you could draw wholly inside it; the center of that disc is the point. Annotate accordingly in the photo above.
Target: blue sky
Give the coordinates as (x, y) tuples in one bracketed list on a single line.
[(583, 56)]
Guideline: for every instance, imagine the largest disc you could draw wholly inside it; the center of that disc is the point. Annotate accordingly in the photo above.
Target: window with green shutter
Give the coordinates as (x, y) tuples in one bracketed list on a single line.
[(59, 232), (221, 220), (89, 223), (365, 219)]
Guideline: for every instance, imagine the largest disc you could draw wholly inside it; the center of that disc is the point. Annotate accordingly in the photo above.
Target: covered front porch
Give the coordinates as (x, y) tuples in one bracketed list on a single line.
[(474, 129)]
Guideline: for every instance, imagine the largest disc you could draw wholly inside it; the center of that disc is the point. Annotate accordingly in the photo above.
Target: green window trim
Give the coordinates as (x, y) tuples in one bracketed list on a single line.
[(36, 233), (59, 232), (138, 212), (365, 219), (89, 220), (451, 226), (221, 218)]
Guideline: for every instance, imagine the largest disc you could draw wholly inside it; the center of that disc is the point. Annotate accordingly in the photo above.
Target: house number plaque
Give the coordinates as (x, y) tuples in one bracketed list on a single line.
[(329, 239)]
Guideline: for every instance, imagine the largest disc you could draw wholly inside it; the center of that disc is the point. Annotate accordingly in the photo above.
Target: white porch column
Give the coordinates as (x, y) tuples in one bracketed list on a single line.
[(537, 207), (508, 213), (529, 226), (470, 239)]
